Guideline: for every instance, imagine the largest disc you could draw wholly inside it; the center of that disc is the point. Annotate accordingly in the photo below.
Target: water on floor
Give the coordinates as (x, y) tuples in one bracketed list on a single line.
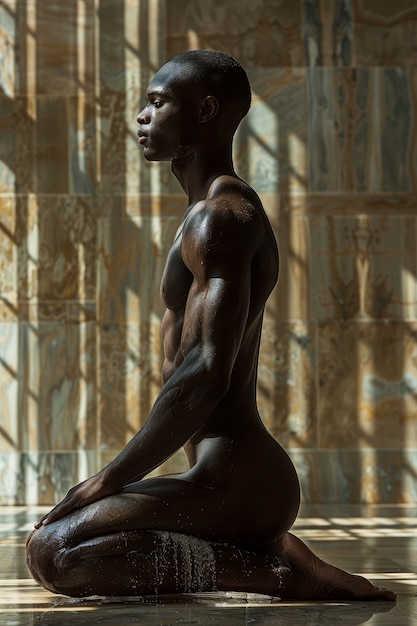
[(378, 542)]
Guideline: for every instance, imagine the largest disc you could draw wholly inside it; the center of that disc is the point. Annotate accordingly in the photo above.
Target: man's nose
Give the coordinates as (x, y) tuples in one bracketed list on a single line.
[(143, 117)]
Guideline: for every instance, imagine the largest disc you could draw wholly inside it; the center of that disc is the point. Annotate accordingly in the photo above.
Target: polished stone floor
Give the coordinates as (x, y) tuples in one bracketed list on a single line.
[(380, 542)]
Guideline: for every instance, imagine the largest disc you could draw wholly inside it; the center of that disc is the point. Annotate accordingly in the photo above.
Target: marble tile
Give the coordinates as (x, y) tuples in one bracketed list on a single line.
[(361, 131), (57, 46), (42, 477), (132, 258), (7, 248), (286, 382), (114, 139), (58, 394), (372, 476), (48, 402), (15, 172), (10, 377), (328, 32), (385, 33), (363, 267), (131, 50), (139, 206), (290, 300), (131, 37), (129, 379), (271, 144), (262, 33), (12, 311), (7, 48), (56, 248), (48, 144), (355, 204), (64, 145), (371, 369)]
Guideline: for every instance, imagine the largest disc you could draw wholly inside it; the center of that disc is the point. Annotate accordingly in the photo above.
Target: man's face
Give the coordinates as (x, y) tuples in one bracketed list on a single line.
[(166, 122)]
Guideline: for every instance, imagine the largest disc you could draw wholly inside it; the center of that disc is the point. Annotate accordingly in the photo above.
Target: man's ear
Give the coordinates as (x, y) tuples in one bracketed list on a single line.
[(209, 109)]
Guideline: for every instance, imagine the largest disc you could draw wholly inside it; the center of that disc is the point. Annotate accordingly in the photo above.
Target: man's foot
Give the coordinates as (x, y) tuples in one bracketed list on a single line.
[(310, 578)]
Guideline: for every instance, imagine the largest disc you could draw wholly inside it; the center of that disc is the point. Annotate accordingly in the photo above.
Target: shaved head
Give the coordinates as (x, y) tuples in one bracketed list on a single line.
[(214, 73)]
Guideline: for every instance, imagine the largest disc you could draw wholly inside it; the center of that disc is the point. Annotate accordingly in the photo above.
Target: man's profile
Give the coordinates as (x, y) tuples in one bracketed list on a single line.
[(241, 493)]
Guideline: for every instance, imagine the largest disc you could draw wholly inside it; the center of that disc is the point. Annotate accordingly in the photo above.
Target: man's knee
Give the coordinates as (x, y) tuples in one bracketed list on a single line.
[(44, 557)]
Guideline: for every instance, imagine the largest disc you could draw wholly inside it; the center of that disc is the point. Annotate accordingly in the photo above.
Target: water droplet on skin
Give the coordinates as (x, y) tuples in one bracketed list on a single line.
[(193, 559)]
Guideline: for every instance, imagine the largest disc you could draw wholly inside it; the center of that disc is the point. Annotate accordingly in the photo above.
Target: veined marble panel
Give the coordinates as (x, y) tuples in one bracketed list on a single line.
[(257, 32), (289, 299), (131, 36), (363, 267), (129, 379), (346, 476), (131, 41), (138, 207), (286, 382), (386, 204), (271, 144), (367, 385), (120, 153), (56, 46), (58, 395), (385, 33), (328, 32), (132, 258), (7, 248), (361, 131), (10, 384), (14, 120), (56, 248), (48, 144), (330, 135), (48, 383), (83, 145), (8, 28), (42, 477), (279, 207), (63, 153)]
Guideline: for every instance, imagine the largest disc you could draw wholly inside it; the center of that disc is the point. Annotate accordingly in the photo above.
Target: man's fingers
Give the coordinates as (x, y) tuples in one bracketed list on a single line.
[(59, 511)]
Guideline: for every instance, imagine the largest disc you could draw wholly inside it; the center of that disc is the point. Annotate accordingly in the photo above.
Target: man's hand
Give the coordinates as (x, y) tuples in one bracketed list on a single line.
[(89, 491)]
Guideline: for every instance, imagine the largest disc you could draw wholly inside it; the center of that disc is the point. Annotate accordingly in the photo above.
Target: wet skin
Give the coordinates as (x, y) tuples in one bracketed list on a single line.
[(241, 489)]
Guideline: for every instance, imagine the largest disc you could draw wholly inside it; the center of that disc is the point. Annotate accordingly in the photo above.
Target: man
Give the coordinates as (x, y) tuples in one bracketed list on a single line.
[(241, 494)]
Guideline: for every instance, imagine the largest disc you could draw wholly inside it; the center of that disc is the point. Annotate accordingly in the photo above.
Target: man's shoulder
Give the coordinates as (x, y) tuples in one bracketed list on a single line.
[(230, 202), (232, 189), (226, 224)]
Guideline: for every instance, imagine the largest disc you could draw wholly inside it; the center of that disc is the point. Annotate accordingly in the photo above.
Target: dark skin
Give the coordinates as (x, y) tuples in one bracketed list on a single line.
[(241, 493)]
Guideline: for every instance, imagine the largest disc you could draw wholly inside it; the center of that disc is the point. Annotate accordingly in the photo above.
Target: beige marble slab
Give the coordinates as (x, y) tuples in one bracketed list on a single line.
[(385, 33), (262, 33), (286, 382), (363, 267), (367, 385)]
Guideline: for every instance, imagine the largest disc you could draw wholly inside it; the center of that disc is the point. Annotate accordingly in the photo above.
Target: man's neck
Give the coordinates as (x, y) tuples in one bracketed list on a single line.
[(198, 168)]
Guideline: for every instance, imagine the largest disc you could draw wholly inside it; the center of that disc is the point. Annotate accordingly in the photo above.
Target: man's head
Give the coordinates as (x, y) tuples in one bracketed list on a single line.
[(216, 74), (194, 89)]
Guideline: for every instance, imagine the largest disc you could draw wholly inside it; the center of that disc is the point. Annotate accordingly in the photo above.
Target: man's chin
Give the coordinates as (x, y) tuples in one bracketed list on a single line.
[(153, 156)]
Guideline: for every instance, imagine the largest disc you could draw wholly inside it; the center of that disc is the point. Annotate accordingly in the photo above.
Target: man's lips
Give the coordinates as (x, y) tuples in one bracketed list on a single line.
[(142, 137)]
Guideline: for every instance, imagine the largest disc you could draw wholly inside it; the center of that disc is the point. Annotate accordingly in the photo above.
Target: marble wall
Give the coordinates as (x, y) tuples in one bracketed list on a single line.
[(330, 144)]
